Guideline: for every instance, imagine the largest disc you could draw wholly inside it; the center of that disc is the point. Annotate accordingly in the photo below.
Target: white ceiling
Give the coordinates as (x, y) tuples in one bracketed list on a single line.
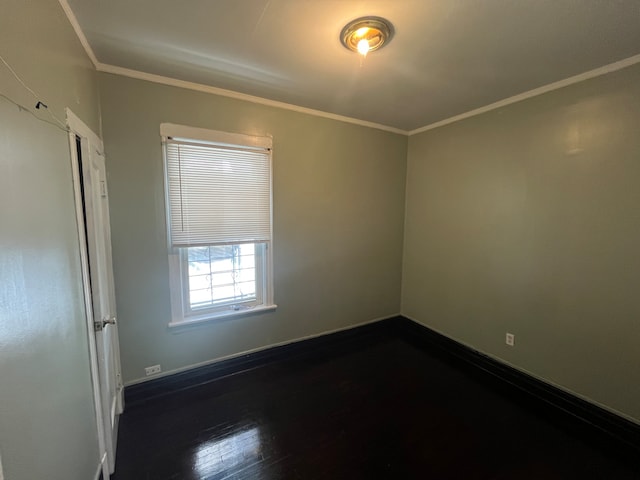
[(447, 56)]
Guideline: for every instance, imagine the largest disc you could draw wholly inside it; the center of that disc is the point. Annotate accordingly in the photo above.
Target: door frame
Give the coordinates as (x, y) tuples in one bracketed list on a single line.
[(78, 128)]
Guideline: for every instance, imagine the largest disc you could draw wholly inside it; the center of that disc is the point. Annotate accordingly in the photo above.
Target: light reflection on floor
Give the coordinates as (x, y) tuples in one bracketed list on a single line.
[(221, 455)]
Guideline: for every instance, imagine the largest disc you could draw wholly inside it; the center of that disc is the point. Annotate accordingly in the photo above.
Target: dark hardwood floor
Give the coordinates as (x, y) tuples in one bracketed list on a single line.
[(369, 407)]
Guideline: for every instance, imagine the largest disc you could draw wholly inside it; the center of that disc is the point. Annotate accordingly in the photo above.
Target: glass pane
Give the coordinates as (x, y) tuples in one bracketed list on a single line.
[(198, 267), (221, 275), (246, 289), (199, 282), (247, 261), (222, 264), (198, 254), (247, 275), (223, 293), (200, 298), (221, 279), (222, 251), (247, 249)]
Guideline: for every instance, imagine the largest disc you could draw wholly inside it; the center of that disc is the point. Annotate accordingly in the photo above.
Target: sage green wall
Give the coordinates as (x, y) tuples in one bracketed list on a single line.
[(338, 223), (47, 423), (526, 219)]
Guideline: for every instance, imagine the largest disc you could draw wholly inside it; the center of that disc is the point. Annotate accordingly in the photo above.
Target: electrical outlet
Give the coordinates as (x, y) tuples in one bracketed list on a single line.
[(152, 370), (510, 339)]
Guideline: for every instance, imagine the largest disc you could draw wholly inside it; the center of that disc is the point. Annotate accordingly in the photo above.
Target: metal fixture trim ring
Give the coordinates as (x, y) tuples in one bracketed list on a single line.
[(350, 41)]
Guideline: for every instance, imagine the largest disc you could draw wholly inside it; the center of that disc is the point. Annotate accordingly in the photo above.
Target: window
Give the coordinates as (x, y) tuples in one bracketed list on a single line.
[(218, 200)]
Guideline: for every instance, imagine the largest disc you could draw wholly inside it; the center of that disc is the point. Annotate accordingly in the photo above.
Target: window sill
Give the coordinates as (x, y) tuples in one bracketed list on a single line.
[(212, 317)]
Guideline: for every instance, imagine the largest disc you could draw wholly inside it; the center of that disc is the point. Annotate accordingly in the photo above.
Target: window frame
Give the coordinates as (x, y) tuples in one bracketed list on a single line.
[(181, 312)]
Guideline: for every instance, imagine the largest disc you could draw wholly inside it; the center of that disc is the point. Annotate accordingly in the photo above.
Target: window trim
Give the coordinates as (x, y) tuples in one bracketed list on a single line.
[(178, 290), (179, 296)]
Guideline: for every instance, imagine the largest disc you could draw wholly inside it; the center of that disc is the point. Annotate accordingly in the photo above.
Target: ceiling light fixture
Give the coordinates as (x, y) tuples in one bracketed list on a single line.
[(366, 34)]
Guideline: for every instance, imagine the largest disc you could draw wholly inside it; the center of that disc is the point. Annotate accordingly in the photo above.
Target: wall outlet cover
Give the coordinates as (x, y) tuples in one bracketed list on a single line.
[(152, 370), (510, 339)]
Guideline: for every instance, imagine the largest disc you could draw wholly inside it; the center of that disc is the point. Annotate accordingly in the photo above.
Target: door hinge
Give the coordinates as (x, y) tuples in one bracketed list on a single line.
[(99, 325)]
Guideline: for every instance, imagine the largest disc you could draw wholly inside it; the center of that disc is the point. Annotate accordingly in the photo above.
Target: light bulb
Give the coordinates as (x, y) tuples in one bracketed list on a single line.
[(363, 47)]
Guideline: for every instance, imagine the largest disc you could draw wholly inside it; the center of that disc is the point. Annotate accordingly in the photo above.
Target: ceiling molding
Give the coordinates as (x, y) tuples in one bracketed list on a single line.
[(612, 67), (173, 82), (76, 26), (102, 67)]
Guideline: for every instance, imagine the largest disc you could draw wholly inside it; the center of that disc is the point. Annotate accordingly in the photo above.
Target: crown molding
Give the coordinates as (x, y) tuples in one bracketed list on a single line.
[(612, 67), (76, 27), (102, 67), (199, 87)]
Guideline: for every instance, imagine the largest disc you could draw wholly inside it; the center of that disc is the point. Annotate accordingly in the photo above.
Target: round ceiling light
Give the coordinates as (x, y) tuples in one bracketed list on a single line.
[(366, 34)]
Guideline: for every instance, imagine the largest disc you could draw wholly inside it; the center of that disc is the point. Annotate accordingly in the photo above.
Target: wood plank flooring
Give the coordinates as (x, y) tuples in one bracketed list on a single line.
[(372, 407)]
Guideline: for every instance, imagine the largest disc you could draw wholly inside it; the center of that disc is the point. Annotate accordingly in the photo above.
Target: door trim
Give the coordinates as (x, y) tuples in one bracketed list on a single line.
[(78, 127)]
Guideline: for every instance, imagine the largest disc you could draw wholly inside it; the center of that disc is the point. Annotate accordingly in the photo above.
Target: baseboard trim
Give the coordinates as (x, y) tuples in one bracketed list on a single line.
[(188, 368), (613, 430), (141, 392), (538, 393)]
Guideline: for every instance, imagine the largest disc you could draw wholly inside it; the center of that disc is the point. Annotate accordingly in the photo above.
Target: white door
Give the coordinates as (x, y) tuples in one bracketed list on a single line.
[(93, 193), (103, 296)]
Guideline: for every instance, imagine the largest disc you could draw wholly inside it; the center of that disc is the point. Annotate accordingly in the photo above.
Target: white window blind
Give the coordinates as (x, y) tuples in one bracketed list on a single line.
[(217, 193)]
